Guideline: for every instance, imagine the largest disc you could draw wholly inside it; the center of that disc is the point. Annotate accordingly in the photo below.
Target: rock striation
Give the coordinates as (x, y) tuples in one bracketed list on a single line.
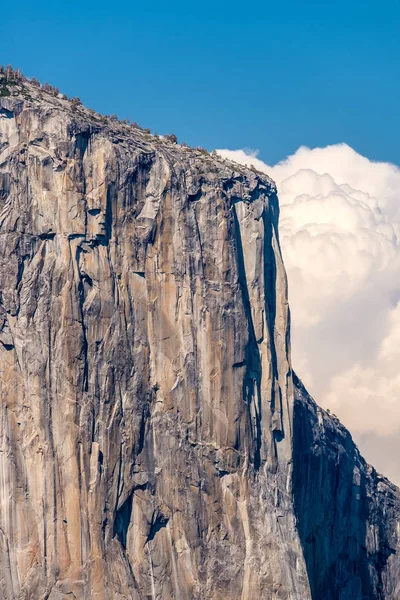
[(153, 442)]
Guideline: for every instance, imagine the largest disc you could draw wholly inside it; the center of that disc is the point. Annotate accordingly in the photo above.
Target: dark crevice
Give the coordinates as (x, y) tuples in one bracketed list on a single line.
[(195, 197), (122, 520), (86, 279), (270, 274), (222, 472), (82, 283), (5, 185), (82, 141), (21, 268), (8, 114), (7, 347), (142, 431), (270, 288), (49, 235), (94, 211), (252, 377), (159, 521), (237, 365)]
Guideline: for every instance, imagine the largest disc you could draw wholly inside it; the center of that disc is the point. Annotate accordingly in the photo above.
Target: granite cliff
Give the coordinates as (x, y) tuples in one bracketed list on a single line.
[(154, 441)]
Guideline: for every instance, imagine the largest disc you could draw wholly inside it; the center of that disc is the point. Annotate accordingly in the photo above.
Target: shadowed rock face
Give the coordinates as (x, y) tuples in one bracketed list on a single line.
[(347, 515), (146, 414)]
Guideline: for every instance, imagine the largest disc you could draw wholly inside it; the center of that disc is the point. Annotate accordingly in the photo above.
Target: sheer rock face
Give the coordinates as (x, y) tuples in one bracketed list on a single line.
[(146, 389), (348, 516), (146, 412)]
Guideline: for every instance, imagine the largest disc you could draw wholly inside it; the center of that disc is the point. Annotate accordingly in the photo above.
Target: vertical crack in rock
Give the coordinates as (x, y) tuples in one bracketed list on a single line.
[(122, 520), (252, 363)]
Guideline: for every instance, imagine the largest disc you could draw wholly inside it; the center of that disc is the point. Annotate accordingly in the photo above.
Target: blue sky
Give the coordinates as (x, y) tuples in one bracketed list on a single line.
[(267, 75)]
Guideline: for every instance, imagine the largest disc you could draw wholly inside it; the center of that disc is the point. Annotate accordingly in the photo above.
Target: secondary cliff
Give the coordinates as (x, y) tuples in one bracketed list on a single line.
[(151, 442), (348, 516)]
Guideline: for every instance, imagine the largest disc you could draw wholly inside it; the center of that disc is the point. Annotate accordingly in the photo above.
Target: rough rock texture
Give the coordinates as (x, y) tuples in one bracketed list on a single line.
[(146, 391), (348, 516)]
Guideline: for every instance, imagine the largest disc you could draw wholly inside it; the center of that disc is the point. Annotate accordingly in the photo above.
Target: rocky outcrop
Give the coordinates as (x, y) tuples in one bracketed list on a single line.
[(348, 516), (146, 412)]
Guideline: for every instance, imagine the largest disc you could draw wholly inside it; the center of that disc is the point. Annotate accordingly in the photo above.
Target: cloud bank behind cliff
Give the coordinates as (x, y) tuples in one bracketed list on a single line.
[(340, 233)]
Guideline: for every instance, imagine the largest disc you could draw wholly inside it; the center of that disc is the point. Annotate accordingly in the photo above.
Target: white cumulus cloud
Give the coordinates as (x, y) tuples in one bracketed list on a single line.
[(340, 237)]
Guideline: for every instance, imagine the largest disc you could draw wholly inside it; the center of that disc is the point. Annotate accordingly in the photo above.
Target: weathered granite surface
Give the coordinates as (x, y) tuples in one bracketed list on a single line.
[(146, 390)]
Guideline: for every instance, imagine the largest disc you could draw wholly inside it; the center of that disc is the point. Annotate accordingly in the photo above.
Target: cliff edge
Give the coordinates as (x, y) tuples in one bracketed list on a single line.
[(153, 443)]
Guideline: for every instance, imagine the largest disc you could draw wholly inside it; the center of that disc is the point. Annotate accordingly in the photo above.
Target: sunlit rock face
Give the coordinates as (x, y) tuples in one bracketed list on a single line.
[(147, 419), (146, 388)]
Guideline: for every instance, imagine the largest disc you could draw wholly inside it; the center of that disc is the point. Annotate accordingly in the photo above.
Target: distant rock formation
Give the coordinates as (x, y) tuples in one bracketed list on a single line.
[(348, 516), (152, 441)]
